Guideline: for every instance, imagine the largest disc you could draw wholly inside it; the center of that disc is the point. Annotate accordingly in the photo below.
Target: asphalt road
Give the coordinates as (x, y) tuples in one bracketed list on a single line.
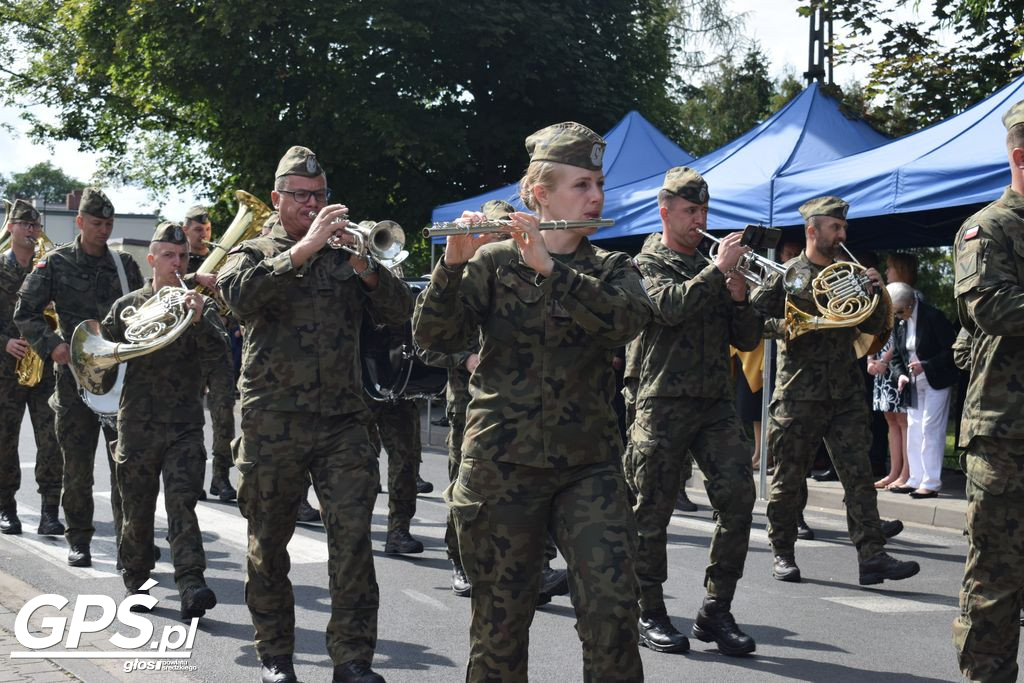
[(827, 628)]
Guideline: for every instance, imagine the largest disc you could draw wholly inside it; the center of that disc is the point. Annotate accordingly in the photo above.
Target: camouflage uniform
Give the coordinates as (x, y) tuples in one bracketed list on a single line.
[(819, 393), (396, 426), (219, 385), (82, 287), (685, 402), (989, 266), (303, 414), (160, 432), (15, 397), (540, 448)]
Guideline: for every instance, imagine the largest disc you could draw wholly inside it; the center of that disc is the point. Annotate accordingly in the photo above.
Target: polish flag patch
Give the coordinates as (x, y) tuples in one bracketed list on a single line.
[(41, 263), (972, 233)]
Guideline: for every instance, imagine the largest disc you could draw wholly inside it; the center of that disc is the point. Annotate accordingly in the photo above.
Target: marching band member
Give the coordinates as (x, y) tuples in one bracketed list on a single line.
[(819, 394), (685, 405), (15, 264), (160, 430), (541, 438), (82, 279), (303, 413)]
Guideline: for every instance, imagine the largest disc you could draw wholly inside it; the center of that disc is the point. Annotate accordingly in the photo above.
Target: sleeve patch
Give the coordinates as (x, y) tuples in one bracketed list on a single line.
[(971, 233), (41, 263)]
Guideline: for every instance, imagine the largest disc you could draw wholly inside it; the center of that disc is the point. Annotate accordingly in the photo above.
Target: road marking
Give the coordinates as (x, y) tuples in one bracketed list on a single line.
[(758, 535), (426, 599), (25, 465), (885, 604)]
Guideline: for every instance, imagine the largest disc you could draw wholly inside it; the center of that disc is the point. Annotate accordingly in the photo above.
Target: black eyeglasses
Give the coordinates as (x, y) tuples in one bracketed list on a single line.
[(302, 196)]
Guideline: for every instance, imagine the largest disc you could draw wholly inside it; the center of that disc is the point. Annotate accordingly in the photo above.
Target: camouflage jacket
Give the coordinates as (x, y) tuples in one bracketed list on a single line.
[(166, 386), (542, 393), (989, 266), (301, 349), (11, 276), (819, 365), (81, 287), (457, 391), (685, 348)]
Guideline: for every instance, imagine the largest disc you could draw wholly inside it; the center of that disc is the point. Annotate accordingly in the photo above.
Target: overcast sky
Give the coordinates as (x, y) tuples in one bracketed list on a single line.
[(781, 33)]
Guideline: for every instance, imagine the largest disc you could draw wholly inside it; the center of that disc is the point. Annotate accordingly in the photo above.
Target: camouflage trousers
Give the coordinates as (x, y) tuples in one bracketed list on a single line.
[(78, 429), (457, 422), (14, 398), (986, 632), (795, 431), (686, 465), (666, 431), (397, 428), (503, 513), (147, 451), (219, 380), (277, 454)]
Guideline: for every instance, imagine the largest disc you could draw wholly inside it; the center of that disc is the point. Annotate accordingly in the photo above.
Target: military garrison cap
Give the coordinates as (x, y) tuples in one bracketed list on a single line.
[(685, 182), (95, 203), (497, 210), (1015, 116), (567, 143), (22, 211), (299, 160), (825, 206), (198, 213), (169, 231)]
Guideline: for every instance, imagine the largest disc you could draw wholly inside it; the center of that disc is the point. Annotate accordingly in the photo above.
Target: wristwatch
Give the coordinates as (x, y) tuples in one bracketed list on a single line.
[(371, 268)]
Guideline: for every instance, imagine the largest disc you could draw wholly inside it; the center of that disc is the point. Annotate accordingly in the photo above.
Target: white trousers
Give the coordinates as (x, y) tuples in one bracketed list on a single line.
[(926, 435)]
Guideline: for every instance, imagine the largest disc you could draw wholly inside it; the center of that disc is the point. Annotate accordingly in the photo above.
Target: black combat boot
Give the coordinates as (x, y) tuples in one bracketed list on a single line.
[(49, 522), (9, 522), (195, 600), (220, 486), (891, 527), (307, 513), (683, 502), (715, 623), (884, 566), (423, 486), (401, 542), (554, 581), (79, 555), (803, 532), (277, 669), (658, 633), (784, 569), (137, 591), (460, 582), (356, 671)]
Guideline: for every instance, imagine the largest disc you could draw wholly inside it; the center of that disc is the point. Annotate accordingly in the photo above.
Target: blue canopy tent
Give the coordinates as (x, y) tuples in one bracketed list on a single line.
[(741, 174), (918, 189), (636, 149)]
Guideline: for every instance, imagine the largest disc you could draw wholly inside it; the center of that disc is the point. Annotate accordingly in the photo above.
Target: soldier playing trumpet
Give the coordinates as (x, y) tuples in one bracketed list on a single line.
[(15, 264)]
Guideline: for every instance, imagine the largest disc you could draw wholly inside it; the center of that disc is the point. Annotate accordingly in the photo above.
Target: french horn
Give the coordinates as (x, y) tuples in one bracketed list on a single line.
[(842, 293)]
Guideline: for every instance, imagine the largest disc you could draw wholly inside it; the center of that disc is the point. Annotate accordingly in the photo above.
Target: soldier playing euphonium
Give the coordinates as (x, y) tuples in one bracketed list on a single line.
[(542, 440)]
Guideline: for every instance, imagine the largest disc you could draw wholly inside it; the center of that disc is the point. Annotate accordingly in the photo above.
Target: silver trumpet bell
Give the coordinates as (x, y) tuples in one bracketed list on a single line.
[(385, 242)]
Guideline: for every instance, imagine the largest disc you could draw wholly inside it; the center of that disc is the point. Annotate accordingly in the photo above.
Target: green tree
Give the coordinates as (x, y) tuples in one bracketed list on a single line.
[(917, 71), (43, 181)]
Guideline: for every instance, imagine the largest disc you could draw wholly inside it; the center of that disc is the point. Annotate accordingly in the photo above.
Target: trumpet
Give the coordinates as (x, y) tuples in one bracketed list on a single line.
[(383, 242), (446, 228), (752, 266)]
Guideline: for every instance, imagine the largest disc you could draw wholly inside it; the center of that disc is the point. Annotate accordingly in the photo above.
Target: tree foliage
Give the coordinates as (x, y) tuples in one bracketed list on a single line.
[(924, 70), (43, 181)]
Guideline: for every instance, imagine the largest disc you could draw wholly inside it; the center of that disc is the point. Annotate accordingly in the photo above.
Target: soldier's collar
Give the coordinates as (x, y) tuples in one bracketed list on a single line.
[(1013, 199), (147, 288), (82, 258), (584, 250)]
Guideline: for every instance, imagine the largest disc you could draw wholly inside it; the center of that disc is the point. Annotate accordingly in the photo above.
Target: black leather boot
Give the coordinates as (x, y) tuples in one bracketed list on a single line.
[(195, 600), (891, 527), (460, 582), (884, 566), (784, 569), (307, 513), (277, 669), (220, 486), (683, 502), (49, 522), (9, 522), (401, 542), (715, 623), (803, 532), (79, 555), (658, 633), (356, 671), (423, 486)]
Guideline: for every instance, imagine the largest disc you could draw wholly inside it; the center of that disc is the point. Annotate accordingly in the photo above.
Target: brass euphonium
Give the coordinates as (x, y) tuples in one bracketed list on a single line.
[(29, 368), (842, 293), (252, 214), (5, 236)]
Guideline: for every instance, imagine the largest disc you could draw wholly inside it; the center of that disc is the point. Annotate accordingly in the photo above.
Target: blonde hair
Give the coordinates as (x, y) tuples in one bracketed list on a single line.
[(542, 172)]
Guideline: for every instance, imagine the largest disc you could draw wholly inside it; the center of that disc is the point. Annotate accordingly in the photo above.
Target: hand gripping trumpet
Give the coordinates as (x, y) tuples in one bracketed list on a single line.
[(447, 228), (384, 242), (753, 267)]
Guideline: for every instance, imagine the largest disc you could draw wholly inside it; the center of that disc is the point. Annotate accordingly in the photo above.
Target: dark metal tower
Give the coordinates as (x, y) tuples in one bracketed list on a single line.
[(819, 52)]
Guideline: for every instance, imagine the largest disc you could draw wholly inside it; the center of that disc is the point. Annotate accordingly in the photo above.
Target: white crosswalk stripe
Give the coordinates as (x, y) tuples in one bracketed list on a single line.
[(890, 604), (756, 535)]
